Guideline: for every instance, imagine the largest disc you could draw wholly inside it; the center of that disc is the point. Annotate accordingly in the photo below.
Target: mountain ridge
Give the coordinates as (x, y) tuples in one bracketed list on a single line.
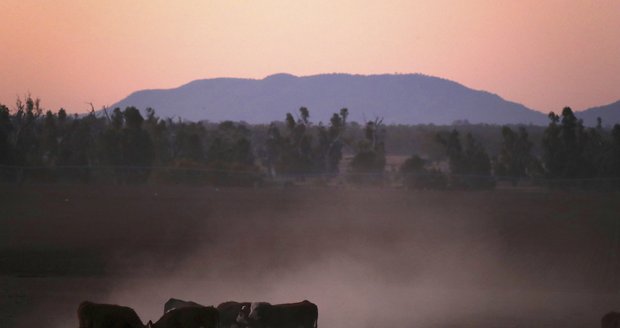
[(398, 98), (610, 114)]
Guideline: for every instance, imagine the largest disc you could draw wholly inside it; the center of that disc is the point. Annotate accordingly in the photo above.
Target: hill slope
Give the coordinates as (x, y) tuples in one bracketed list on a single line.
[(405, 99), (610, 114)]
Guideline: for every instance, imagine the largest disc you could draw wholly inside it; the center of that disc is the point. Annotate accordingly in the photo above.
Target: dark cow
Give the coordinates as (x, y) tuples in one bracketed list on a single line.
[(611, 320), (293, 315), (234, 314), (92, 315), (189, 317), (175, 303)]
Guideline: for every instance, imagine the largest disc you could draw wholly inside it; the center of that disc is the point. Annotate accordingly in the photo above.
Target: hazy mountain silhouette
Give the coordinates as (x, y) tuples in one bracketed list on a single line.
[(610, 114), (401, 98)]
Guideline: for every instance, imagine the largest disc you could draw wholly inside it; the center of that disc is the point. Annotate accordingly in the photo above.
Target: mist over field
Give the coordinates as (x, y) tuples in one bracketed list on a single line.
[(367, 257)]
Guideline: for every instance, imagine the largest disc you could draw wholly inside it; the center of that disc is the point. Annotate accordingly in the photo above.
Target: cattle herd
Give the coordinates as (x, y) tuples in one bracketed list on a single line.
[(184, 314)]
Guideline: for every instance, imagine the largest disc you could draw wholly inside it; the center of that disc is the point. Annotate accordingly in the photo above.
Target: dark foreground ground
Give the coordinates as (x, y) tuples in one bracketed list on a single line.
[(366, 257)]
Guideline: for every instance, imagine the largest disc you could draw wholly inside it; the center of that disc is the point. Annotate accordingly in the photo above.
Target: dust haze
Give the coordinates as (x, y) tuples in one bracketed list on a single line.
[(366, 257)]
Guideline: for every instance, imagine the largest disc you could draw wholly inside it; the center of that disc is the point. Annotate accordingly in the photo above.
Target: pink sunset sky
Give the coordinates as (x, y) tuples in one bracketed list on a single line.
[(543, 54)]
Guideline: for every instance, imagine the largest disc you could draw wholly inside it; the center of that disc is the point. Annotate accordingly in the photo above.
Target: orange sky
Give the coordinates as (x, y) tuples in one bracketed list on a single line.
[(544, 54)]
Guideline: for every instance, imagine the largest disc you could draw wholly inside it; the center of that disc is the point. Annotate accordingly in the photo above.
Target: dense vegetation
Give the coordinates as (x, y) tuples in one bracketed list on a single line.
[(128, 147)]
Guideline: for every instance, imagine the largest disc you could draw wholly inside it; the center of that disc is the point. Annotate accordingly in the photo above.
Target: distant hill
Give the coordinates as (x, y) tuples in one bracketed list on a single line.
[(400, 98), (610, 114)]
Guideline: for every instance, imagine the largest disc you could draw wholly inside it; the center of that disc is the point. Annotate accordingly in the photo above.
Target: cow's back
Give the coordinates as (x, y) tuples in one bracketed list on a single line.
[(229, 312), (190, 317), (611, 320), (174, 303), (291, 315), (93, 315)]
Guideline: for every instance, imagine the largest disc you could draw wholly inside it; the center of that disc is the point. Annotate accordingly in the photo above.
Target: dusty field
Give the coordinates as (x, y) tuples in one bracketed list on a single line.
[(367, 257)]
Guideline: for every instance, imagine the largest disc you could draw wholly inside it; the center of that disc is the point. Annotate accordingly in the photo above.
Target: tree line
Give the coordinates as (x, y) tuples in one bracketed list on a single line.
[(572, 156), (128, 146)]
